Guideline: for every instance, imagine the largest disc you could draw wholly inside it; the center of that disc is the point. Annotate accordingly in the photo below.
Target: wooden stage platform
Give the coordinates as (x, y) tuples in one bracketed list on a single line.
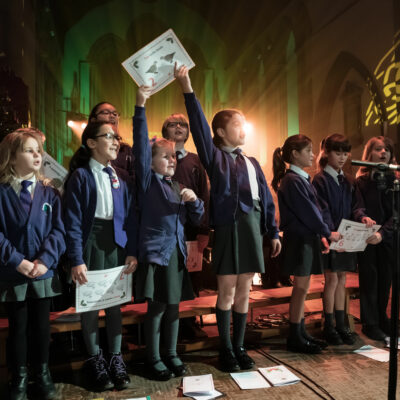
[(338, 373)]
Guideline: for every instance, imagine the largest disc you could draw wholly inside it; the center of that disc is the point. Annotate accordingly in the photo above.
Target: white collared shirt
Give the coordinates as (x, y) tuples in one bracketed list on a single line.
[(300, 171), (104, 204), (250, 170), (333, 173), (16, 185)]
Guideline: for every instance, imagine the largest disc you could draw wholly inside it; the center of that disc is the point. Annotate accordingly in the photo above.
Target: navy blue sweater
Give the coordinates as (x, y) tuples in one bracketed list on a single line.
[(299, 209), (376, 204), (221, 169), (40, 235), (162, 213), (335, 200), (80, 199)]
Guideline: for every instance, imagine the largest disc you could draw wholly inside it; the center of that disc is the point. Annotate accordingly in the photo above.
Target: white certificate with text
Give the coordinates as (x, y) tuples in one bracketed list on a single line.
[(354, 236), (153, 65), (105, 288)]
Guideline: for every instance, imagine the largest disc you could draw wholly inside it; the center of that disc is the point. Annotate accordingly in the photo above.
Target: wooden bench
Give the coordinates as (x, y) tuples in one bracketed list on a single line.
[(203, 305)]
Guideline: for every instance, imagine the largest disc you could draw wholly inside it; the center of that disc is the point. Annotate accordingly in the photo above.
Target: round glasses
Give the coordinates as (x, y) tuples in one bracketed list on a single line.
[(175, 124), (110, 136), (109, 112)]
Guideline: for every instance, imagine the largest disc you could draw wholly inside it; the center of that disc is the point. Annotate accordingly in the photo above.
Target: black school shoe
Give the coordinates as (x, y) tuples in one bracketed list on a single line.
[(157, 375), (373, 332), (178, 370), (347, 336), (118, 372), (18, 384), (332, 336), (302, 345), (244, 360), (228, 361), (44, 385), (97, 372), (321, 343)]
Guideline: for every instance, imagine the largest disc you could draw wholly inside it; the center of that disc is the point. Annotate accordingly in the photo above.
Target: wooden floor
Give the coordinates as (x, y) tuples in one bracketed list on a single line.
[(338, 373)]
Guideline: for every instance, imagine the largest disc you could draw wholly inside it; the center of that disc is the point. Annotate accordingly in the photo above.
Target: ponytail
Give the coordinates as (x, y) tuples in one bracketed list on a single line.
[(278, 168), (283, 155)]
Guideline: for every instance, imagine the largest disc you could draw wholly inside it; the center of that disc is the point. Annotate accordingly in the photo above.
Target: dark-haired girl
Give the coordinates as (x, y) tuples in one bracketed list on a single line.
[(106, 112), (100, 235), (303, 230), (334, 191), (242, 211), (374, 205)]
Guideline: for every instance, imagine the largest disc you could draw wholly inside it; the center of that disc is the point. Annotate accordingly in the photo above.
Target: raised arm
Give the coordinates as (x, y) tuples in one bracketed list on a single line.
[(141, 145), (198, 124)]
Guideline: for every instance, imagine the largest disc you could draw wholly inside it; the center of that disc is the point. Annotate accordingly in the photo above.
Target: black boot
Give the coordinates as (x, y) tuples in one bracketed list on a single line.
[(97, 373), (18, 384), (118, 372), (312, 339), (43, 383)]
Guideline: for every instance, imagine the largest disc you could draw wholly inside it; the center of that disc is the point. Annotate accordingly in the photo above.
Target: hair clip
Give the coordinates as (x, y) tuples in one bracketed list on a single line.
[(153, 140)]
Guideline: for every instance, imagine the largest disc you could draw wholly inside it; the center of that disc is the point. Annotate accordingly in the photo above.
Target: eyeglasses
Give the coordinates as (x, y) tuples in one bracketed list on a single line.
[(108, 112), (110, 136), (175, 124)]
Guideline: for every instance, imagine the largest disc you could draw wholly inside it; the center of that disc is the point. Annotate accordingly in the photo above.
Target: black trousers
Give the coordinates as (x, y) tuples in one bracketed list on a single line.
[(29, 323), (375, 275)]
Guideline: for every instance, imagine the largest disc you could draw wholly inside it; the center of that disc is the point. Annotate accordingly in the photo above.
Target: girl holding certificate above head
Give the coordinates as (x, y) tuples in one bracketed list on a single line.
[(335, 191), (32, 239), (374, 206), (303, 231), (162, 278), (242, 211), (100, 235)]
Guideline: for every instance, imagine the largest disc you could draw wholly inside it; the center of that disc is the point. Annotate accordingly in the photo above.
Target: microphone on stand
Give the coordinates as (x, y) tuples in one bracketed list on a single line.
[(378, 166)]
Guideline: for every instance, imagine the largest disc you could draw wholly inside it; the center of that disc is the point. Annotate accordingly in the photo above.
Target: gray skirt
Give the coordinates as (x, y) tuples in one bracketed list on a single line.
[(100, 251), (301, 255), (36, 289), (340, 261), (238, 247), (169, 284)]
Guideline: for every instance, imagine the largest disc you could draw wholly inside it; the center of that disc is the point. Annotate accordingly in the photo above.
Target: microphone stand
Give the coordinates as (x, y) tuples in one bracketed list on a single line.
[(394, 310)]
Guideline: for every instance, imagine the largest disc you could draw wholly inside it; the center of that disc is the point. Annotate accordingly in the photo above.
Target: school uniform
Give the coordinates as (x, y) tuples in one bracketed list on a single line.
[(31, 228), (37, 235), (376, 262), (335, 194), (162, 278), (302, 224), (162, 216), (241, 205), (101, 231)]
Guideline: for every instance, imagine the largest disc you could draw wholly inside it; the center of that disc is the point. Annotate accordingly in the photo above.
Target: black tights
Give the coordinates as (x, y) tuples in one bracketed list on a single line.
[(32, 314)]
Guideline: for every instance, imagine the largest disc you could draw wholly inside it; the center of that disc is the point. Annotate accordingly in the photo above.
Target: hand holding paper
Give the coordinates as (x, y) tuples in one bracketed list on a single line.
[(182, 76)]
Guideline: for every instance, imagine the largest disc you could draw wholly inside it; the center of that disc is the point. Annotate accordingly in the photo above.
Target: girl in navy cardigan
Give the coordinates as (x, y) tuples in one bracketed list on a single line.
[(241, 211), (162, 277), (100, 235), (335, 192), (31, 243), (374, 205), (303, 230)]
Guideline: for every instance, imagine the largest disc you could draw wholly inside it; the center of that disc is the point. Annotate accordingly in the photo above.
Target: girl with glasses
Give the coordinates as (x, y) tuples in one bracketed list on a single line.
[(97, 200)]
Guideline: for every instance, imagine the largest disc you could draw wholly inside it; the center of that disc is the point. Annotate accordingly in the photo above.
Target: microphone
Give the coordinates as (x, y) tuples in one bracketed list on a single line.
[(378, 166)]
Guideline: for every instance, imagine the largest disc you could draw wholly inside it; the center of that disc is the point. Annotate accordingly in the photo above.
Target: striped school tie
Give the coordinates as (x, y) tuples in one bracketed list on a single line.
[(244, 195), (25, 196)]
